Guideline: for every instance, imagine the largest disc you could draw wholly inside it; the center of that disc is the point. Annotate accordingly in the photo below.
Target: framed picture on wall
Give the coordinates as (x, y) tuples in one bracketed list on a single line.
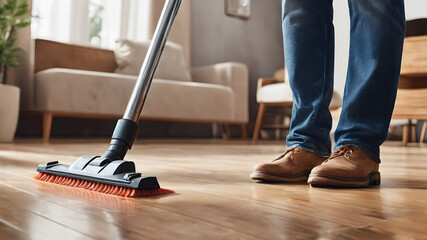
[(238, 8)]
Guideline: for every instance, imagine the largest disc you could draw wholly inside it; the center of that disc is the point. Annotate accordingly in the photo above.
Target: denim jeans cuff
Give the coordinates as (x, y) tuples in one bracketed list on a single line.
[(374, 154), (312, 149)]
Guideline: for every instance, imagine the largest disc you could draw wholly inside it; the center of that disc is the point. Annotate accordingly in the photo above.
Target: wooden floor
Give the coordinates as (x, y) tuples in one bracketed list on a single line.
[(215, 199)]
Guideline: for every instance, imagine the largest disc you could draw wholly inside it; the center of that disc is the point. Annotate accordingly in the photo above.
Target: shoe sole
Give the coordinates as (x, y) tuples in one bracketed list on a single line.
[(272, 178), (318, 180)]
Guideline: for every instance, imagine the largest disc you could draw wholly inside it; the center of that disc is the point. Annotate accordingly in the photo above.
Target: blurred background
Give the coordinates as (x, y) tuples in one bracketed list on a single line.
[(207, 36)]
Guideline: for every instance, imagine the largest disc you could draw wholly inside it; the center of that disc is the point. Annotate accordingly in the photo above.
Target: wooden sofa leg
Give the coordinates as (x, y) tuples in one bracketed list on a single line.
[(47, 125), (225, 131), (258, 122), (423, 132), (243, 131)]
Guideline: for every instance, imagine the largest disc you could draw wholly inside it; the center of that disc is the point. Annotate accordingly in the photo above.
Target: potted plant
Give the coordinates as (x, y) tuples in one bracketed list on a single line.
[(12, 18)]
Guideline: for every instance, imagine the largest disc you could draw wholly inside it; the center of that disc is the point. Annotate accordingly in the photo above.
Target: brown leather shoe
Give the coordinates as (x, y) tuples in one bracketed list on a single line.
[(294, 165), (348, 166)]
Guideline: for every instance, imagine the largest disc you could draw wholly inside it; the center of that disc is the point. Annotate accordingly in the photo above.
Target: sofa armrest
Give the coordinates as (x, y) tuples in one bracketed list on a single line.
[(234, 75), (266, 81)]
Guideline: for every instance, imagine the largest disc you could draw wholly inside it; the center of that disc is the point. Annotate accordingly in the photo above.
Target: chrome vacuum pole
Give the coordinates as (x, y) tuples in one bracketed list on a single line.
[(139, 95), (127, 129)]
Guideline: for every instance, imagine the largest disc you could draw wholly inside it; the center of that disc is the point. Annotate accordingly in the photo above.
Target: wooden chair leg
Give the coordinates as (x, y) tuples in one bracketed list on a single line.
[(243, 131), (391, 131), (413, 132), (225, 131), (423, 132), (47, 126), (406, 131), (258, 122)]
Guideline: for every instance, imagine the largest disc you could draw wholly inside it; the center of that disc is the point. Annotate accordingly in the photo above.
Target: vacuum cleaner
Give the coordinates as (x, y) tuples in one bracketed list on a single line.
[(110, 173)]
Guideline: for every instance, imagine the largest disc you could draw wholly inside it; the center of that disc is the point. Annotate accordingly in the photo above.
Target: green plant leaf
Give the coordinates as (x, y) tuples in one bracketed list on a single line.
[(15, 49), (10, 60), (21, 12), (22, 22), (11, 20), (11, 5), (10, 42), (22, 8)]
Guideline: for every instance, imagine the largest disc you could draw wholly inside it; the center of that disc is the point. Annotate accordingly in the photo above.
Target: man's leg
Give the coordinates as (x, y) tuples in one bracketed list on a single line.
[(308, 34), (376, 42), (309, 53)]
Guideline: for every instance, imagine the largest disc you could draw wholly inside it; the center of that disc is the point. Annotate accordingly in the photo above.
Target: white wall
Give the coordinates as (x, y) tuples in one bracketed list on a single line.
[(414, 9), (342, 42), (182, 26), (256, 42)]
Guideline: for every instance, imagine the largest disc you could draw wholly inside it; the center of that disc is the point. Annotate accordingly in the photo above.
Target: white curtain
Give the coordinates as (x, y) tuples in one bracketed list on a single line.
[(72, 20)]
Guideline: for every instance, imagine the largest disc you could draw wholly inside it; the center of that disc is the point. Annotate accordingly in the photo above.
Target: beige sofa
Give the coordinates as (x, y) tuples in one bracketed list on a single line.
[(87, 82)]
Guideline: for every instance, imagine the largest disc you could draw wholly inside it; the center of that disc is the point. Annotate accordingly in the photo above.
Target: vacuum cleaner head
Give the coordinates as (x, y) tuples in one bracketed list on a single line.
[(103, 175)]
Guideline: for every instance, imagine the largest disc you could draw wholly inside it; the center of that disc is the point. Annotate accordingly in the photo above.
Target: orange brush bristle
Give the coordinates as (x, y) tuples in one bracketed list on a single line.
[(100, 187)]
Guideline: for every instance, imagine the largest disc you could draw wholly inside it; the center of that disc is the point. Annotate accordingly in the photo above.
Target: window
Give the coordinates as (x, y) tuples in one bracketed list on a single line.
[(96, 16), (95, 22)]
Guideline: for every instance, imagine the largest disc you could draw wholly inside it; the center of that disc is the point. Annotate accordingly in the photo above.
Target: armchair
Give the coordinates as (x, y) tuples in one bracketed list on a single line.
[(276, 92)]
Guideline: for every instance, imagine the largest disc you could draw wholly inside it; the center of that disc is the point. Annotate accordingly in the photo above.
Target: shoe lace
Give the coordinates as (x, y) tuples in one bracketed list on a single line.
[(290, 152), (345, 151)]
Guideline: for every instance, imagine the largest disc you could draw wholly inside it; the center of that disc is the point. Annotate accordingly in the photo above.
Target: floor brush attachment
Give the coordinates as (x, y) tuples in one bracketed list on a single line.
[(117, 177), (107, 173)]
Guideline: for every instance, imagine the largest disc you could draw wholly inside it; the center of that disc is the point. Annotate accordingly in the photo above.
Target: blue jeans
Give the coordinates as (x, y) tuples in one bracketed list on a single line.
[(376, 41)]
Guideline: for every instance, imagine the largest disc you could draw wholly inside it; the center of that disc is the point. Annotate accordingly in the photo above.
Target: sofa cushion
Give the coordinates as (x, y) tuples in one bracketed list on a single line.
[(281, 92), (130, 56), (277, 92), (88, 92)]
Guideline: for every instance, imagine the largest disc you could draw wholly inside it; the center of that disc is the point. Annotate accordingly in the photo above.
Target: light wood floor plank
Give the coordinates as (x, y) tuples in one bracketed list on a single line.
[(215, 197), (16, 211)]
